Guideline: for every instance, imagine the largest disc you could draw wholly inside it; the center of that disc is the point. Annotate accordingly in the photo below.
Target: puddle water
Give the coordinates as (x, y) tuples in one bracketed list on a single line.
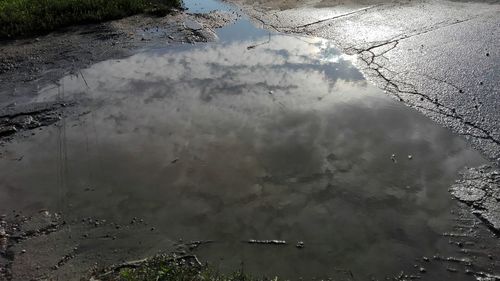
[(206, 6), (222, 142)]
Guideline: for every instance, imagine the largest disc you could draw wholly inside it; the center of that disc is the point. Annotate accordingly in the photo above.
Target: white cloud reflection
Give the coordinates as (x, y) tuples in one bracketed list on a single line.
[(284, 141)]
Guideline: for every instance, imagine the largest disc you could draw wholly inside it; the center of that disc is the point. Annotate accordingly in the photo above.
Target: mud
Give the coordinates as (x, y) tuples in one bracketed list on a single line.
[(45, 246), (16, 230), (19, 119)]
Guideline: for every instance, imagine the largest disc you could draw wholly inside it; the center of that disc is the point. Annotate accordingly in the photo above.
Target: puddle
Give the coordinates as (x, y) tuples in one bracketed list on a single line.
[(242, 29), (274, 138), (206, 6)]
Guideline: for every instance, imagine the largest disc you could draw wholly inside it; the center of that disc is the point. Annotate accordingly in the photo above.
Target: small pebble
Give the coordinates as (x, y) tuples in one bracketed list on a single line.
[(23, 251), (393, 158), (422, 270)]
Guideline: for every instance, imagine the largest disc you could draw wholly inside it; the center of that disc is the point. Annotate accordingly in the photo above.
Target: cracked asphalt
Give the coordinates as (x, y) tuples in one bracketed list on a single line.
[(440, 57)]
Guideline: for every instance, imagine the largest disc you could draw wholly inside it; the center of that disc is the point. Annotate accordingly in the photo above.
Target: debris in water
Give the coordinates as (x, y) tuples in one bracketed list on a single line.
[(267, 242), (410, 156), (194, 244), (300, 245), (393, 158)]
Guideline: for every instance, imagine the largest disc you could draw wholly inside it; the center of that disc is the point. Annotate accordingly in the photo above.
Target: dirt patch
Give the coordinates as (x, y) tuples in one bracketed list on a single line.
[(18, 229), (49, 246)]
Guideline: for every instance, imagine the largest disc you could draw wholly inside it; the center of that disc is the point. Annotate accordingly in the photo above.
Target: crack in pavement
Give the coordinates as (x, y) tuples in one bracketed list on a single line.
[(335, 17), (369, 56), (406, 35), (292, 28), (401, 36)]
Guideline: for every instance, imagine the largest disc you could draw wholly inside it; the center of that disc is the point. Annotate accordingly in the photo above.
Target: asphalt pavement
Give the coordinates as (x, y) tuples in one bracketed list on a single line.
[(440, 57)]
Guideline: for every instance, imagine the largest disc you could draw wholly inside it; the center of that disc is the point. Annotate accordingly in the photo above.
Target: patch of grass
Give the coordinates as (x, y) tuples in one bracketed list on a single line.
[(26, 17), (167, 268)]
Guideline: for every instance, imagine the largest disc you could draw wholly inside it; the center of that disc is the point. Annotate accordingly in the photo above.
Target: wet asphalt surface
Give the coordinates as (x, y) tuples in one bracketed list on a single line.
[(441, 57), (260, 136)]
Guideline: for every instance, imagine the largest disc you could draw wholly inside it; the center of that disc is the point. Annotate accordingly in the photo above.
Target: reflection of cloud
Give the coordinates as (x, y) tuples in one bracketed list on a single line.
[(308, 161), (285, 61)]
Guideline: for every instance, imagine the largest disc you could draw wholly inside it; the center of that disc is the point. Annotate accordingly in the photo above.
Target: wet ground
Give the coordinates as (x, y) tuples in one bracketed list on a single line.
[(440, 57), (27, 64), (261, 151)]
